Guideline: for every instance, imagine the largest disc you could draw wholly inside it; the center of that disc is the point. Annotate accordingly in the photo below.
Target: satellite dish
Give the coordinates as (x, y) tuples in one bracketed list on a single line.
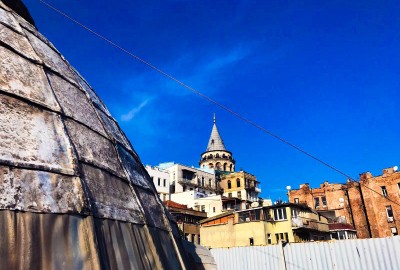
[(395, 168), (341, 200), (288, 187)]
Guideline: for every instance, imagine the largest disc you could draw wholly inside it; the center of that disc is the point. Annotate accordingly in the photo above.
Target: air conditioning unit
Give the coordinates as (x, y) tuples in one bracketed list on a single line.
[(390, 219)]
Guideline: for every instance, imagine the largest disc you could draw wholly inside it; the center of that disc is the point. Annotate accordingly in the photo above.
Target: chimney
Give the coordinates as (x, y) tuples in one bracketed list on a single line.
[(387, 171)]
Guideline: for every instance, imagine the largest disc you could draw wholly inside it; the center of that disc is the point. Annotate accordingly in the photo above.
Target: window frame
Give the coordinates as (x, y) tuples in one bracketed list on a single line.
[(384, 191), (280, 214)]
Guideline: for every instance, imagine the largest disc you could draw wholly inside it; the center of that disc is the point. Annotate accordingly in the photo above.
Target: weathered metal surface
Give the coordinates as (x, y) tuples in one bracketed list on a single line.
[(33, 137), (113, 130), (17, 42), (8, 19), (75, 103), (40, 191), (47, 241), (23, 78), (50, 57), (133, 168), (356, 254), (73, 192), (153, 210), (93, 96), (93, 148), (119, 202)]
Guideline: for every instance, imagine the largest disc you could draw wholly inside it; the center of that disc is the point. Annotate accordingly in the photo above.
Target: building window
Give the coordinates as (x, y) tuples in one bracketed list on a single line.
[(389, 213), (296, 200), (229, 184), (394, 231), (229, 195), (213, 209), (286, 237), (238, 182), (269, 240), (384, 191), (295, 213), (277, 237), (165, 197), (165, 182), (251, 241), (159, 181), (203, 208), (398, 186), (316, 202), (239, 194), (209, 182), (280, 214), (323, 201)]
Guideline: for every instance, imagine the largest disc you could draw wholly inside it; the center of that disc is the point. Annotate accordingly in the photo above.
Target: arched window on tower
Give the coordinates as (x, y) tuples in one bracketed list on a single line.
[(210, 165), (230, 168), (218, 166), (238, 182), (225, 167), (229, 184), (217, 155), (202, 181)]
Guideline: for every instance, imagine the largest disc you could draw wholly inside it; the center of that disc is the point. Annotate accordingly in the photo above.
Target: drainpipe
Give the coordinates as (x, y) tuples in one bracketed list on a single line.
[(365, 210), (351, 210)]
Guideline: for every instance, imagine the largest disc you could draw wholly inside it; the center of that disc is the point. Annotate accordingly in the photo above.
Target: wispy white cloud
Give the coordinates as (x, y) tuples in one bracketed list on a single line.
[(135, 110)]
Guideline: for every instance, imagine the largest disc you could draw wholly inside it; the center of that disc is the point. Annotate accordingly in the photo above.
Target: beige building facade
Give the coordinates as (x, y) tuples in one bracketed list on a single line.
[(264, 226)]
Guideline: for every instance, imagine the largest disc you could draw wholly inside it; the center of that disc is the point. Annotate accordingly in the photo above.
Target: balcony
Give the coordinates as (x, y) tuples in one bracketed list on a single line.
[(306, 223), (187, 181)]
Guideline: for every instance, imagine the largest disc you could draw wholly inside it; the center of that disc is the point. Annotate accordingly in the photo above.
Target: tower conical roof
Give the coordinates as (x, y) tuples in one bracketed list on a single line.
[(215, 143)]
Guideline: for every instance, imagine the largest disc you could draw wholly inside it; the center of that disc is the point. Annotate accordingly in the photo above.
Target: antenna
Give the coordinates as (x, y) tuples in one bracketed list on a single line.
[(395, 168)]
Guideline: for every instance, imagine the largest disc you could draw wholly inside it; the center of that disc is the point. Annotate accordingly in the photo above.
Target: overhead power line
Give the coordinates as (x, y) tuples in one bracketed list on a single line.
[(208, 98)]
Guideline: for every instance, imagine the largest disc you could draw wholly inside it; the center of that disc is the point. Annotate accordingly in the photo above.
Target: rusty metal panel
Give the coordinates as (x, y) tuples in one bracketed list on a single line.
[(47, 241), (18, 42), (93, 148), (111, 197), (165, 248), (125, 246), (40, 191), (33, 137), (50, 57), (23, 78), (74, 102)]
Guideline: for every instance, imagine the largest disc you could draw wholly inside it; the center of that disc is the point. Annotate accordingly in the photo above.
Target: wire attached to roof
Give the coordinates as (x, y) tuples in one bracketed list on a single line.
[(210, 99)]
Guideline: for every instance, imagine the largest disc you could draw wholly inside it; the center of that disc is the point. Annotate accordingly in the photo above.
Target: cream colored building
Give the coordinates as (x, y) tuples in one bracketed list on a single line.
[(210, 204), (264, 226), (161, 180), (241, 185), (184, 178)]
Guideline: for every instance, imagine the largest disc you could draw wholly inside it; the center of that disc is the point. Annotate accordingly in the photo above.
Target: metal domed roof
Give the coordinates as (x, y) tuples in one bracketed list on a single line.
[(73, 192)]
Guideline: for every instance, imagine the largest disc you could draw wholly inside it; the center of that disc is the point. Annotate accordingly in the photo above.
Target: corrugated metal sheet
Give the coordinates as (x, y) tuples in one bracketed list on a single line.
[(259, 257), (365, 254)]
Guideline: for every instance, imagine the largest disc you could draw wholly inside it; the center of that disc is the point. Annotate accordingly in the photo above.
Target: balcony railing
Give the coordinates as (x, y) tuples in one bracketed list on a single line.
[(187, 181)]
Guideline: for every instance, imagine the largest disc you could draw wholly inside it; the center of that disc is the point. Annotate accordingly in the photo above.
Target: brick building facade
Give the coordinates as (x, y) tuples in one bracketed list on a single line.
[(370, 206)]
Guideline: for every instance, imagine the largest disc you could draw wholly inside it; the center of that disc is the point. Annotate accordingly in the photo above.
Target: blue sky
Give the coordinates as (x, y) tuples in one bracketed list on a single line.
[(324, 75)]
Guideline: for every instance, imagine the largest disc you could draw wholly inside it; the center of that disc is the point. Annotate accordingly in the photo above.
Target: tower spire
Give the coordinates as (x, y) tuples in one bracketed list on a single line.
[(215, 142), (215, 119)]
